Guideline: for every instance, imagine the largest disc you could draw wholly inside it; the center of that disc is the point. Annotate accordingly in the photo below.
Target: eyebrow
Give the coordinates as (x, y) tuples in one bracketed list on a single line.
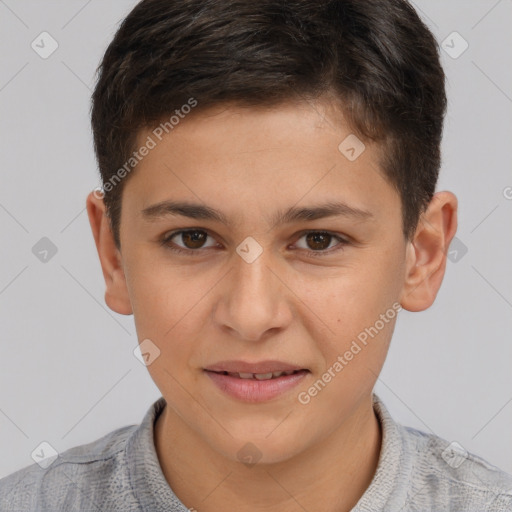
[(294, 214)]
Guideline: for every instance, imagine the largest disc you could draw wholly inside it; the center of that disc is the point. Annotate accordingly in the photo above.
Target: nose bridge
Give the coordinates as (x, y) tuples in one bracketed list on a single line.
[(253, 301), (254, 284), (254, 279)]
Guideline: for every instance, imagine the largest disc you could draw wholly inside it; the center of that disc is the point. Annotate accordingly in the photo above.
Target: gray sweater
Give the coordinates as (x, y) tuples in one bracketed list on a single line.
[(120, 471)]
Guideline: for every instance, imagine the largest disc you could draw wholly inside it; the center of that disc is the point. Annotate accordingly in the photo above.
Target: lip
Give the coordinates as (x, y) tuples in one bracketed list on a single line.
[(255, 391), (252, 390), (257, 367)]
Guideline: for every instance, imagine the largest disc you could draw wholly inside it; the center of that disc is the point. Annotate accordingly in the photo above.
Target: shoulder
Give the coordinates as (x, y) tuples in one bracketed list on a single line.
[(445, 474), (76, 480)]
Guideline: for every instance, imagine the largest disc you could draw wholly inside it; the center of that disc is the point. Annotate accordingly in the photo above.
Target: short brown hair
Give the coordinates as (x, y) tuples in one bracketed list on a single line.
[(376, 56)]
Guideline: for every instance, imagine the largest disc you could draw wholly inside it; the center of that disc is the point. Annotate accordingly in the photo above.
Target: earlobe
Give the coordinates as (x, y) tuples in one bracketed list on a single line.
[(426, 252), (116, 293)]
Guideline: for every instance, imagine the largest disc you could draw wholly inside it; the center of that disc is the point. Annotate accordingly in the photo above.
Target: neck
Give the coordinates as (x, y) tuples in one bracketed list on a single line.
[(331, 475)]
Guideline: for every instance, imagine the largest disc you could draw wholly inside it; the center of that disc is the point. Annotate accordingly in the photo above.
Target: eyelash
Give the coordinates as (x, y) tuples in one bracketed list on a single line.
[(195, 252)]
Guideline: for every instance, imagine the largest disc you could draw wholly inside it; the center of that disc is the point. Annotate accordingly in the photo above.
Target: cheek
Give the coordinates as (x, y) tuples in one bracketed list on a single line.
[(160, 324), (162, 294), (356, 310), (353, 296), (361, 316), (170, 308), (167, 311)]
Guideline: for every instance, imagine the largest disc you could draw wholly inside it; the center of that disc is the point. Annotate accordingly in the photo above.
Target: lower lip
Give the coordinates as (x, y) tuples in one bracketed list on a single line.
[(255, 391)]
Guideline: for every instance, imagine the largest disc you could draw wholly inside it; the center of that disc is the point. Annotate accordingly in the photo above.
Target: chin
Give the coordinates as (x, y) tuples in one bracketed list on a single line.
[(259, 450)]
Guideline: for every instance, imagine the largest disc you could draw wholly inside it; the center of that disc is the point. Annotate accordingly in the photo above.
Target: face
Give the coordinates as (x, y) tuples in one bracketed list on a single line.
[(276, 277), (256, 285)]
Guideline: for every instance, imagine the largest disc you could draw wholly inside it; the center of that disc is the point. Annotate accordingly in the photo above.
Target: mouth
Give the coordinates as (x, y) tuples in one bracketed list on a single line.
[(258, 376), (256, 387)]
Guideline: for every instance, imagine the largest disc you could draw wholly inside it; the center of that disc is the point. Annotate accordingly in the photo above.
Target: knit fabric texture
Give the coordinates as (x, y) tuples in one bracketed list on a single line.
[(416, 472)]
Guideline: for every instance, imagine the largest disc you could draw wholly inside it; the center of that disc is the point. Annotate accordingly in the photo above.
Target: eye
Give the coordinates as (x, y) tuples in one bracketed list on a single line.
[(318, 242), (192, 238)]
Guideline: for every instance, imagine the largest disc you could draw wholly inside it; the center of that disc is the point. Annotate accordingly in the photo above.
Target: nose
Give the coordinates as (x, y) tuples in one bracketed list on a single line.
[(254, 301)]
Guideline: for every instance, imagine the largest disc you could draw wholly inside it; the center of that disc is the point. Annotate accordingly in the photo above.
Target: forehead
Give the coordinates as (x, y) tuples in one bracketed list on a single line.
[(240, 159)]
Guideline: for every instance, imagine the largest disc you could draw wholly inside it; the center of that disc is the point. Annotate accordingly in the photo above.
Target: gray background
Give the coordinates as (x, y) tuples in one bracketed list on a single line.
[(67, 370)]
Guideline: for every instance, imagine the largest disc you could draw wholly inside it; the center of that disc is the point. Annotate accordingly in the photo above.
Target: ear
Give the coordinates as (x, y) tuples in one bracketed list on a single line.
[(426, 252), (116, 294)]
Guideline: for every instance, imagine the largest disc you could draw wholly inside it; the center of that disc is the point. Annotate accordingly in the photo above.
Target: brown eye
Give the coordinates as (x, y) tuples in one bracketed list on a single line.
[(318, 241), (193, 239)]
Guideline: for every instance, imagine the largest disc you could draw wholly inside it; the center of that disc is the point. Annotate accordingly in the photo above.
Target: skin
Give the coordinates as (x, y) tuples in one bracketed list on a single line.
[(285, 305)]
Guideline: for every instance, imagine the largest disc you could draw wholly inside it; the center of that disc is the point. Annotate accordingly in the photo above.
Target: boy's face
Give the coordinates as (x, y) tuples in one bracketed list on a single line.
[(216, 303)]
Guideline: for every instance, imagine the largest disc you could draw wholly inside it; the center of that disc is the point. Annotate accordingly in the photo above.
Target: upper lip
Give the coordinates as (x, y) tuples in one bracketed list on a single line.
[(257, 367)]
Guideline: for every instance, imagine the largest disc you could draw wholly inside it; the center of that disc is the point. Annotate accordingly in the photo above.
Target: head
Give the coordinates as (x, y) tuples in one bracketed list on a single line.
[(256, 120)]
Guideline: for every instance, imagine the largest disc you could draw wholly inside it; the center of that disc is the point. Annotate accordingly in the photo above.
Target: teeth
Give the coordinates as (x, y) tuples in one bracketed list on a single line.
[(278, 374), (245, 375), (260, 376), (263, 376)]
